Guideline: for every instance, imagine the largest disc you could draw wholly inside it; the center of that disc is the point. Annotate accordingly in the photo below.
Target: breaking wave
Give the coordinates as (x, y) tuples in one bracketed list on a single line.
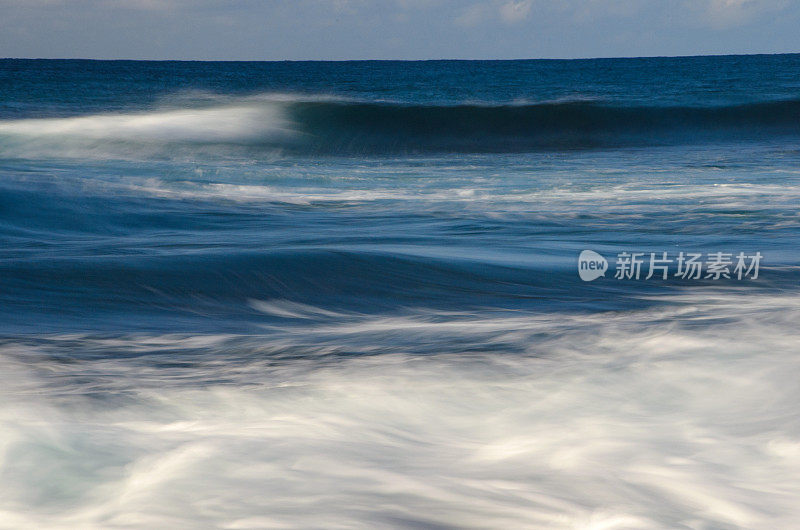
[(640, 419), (335, 126)]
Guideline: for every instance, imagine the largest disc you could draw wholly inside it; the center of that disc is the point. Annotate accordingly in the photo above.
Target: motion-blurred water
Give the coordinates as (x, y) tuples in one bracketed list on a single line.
[(324, 295)]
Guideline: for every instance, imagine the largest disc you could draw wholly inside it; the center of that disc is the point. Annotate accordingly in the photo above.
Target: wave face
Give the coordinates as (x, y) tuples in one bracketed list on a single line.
[(345, 295), (302, 125), (348, 127)]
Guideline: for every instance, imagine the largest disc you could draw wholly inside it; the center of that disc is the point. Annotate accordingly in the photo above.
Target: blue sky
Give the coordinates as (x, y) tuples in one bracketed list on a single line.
[(394, 29)]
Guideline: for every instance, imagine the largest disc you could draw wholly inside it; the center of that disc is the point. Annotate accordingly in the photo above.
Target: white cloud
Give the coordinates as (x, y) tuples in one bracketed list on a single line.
[(515, 11), (717, 14), (727, 13), (508, 12)]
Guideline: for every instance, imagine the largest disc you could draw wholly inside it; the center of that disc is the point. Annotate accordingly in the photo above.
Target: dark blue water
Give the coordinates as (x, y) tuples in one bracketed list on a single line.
[(268, 278)]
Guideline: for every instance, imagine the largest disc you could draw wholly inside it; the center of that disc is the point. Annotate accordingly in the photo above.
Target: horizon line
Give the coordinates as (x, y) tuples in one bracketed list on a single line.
[(598, 58)]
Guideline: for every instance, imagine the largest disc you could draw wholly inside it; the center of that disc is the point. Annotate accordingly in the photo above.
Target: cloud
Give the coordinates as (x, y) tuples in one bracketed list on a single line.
[(715, 14), (515, 11), (509, 12), (472, 16), (412, 29), (126, 5), (721, 14)]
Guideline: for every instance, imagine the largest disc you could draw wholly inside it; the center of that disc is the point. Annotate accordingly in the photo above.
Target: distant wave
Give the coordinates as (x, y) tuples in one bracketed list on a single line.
[(330, 126), (368, 126)]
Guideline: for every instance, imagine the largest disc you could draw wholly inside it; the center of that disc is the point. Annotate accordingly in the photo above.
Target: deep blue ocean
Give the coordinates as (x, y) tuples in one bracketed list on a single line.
[(347, 294)]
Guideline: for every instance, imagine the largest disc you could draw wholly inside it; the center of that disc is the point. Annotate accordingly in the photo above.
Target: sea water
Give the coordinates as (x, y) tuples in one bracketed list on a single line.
[(346, 295)]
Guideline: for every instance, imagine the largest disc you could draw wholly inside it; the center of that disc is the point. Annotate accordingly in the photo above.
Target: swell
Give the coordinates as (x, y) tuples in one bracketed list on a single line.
[(564, 125), (215, 289), (328, 126)]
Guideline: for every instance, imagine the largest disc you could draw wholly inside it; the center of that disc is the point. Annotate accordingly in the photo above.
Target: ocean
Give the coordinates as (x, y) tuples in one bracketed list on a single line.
[(349, 294)]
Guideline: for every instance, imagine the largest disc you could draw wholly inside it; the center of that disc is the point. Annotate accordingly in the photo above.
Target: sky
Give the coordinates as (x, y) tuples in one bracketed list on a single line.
[(393, 29)]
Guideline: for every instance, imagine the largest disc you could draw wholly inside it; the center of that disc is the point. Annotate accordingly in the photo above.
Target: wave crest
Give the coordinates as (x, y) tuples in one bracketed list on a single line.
[(335, 126)]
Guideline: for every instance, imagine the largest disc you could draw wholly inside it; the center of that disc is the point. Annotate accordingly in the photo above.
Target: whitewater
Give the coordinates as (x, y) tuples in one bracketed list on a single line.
[(346, 295)]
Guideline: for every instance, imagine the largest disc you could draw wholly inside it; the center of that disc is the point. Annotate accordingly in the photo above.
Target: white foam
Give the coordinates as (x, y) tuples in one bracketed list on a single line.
[(190, 117), (639, 419), (160, 131)]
